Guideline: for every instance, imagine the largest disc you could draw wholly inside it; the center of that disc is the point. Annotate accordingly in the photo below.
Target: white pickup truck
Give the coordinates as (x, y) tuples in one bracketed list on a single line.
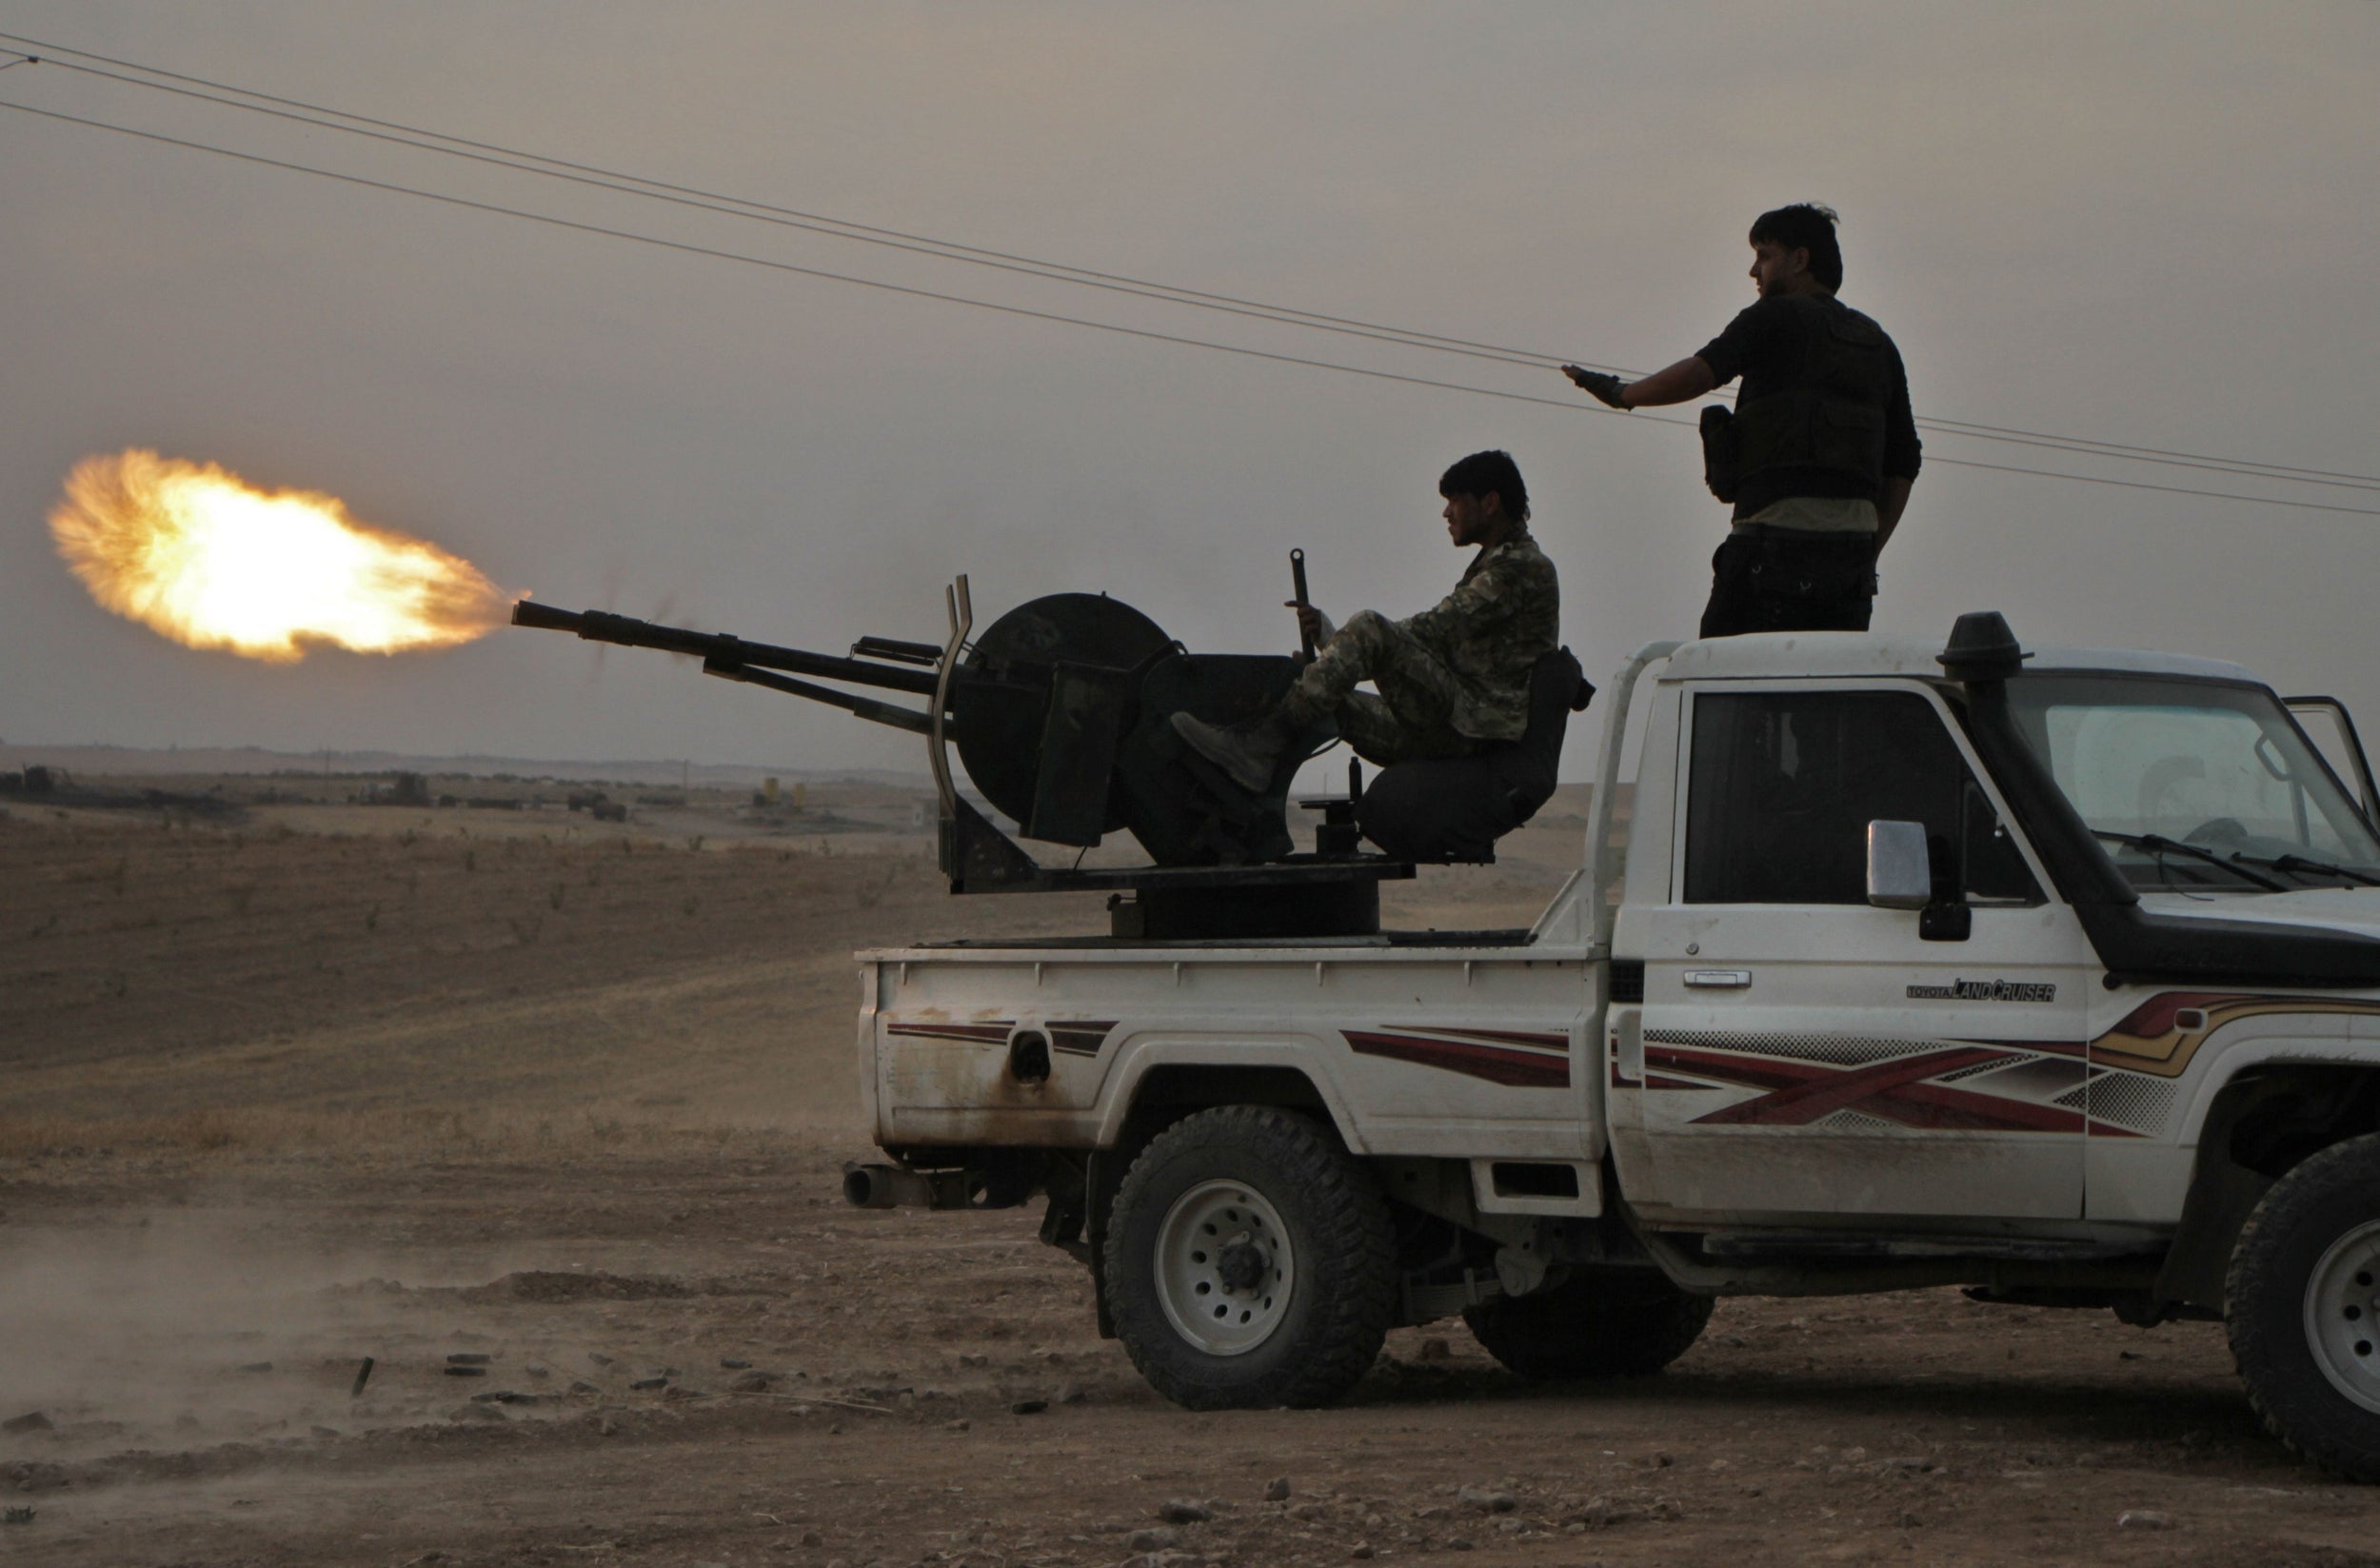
[(2056, 975)]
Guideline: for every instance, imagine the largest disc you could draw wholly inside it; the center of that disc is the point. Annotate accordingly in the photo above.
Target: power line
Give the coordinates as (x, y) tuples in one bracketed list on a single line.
[(1568, 405), (1961, 427), (2144, 484), (732, 205), (2181, 459), (524, 162)]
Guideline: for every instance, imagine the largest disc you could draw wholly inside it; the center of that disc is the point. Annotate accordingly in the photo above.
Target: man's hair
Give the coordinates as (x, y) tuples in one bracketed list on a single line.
[(1483, 472), (1808, 227)]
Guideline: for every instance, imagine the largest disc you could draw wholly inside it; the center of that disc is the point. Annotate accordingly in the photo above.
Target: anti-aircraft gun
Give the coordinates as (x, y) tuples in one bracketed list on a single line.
[(1059, 712)]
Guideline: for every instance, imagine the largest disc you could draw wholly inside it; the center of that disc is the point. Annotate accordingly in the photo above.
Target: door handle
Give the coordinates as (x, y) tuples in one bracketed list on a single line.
[(1718, 979)]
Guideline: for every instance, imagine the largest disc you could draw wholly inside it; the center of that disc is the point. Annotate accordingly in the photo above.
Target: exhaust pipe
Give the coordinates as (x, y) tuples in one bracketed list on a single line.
[(881, 1186)]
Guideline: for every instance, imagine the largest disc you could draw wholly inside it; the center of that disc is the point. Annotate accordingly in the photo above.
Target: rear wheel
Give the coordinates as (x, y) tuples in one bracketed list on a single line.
[(1597, 1323), (2303, 1307), (1250, 1261)]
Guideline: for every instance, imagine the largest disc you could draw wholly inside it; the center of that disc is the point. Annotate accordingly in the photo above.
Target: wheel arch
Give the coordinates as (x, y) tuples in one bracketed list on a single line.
[(1160, 1083), (2260, 1122)]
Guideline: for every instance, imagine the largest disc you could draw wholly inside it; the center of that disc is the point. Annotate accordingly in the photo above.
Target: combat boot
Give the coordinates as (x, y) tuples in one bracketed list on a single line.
[(1249, 751)]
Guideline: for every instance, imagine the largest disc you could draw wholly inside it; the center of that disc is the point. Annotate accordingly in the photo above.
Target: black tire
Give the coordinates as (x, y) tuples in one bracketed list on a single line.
[(2330, 1201), (1599, 1323), (1322, 1332)]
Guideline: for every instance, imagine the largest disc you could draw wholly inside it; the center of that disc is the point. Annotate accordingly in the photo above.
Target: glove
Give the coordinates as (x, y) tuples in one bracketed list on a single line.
[(1604, 389)]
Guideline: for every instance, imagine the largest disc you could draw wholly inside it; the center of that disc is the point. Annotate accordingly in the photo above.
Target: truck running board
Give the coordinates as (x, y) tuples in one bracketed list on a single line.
[(1833, 1244)]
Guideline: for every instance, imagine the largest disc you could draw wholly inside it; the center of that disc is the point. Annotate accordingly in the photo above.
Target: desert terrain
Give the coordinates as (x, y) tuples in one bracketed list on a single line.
[(544, 1117)]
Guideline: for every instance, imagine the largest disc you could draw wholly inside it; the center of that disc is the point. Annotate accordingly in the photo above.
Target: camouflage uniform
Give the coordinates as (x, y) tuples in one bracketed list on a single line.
[(1448, 678)]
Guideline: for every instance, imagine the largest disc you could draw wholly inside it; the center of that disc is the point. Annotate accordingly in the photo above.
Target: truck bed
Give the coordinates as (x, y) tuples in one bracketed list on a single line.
[(1470, 1043)]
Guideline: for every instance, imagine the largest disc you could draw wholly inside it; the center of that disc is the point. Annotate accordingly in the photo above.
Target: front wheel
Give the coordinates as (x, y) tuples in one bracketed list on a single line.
[(1597, 1323), (2303, 1308), (1250, 1263)]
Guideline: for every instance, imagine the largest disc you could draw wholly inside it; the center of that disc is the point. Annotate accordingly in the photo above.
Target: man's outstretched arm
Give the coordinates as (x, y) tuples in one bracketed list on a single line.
[(1682, 381), (1688, 379)]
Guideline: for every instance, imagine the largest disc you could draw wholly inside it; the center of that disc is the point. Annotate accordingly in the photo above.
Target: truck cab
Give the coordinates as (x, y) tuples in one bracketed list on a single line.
[(2053, 973), (1963, 1055)]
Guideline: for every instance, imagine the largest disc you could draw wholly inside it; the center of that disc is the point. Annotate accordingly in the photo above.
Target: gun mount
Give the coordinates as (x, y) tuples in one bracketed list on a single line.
[(1059, 713)]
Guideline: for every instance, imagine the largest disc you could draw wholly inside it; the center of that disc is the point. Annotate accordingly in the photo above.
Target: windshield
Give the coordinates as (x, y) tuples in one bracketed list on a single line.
[(2156, 762)]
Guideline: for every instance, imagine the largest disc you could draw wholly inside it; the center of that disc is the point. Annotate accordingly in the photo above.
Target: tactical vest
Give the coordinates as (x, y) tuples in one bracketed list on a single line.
[(1830, 415)]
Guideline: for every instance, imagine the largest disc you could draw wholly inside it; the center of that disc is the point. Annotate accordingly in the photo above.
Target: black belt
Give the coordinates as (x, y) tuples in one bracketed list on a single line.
[(1826, 540)]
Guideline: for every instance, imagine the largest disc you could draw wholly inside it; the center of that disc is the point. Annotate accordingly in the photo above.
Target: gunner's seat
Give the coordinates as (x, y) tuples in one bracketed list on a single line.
[(1451, 810)]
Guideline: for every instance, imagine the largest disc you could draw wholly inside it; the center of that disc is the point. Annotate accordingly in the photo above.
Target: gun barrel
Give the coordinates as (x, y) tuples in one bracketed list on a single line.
[(718, 648), (528, 612)]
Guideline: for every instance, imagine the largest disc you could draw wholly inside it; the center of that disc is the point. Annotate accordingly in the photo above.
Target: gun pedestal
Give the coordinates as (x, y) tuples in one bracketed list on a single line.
[(1319, 895), (1060, 714)]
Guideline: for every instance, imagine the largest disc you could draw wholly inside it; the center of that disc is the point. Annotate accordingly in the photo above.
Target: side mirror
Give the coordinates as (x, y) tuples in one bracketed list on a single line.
[(1899, 875)]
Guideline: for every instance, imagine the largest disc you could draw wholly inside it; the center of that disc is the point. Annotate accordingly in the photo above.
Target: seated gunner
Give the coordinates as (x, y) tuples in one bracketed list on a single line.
[(1449, 679)]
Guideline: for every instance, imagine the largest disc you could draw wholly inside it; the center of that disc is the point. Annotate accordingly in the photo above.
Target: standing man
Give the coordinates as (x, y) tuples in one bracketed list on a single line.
[(1448, 678), (1821, 452)]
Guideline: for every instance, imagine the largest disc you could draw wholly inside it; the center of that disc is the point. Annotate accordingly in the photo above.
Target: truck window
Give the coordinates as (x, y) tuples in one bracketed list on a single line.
[(2206, 763), (1782, 785)]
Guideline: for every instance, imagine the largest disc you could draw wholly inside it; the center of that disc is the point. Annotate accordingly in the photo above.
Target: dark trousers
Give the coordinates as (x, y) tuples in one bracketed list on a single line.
[(1771, 579)]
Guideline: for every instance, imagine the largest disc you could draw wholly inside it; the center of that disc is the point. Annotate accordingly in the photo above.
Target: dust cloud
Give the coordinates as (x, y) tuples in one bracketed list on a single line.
[(181, 1328)]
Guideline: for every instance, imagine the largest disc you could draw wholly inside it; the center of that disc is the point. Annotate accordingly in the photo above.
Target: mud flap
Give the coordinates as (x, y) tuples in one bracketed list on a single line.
[(2222, 1195), (1101, 1175)]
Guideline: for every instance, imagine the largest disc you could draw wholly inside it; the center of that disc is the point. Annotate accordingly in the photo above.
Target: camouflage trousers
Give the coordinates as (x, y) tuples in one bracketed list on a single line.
[(1411, 719)]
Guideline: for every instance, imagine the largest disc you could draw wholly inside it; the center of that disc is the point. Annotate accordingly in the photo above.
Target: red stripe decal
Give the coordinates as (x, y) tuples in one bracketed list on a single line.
[(1940, 1108), (1803, 1104), (1802, 1093), (974, 1034), (1744, 1072), (1082, 1039), (1497, 1065), (2153, 1019), (1511, 1036), (2042, 1047)]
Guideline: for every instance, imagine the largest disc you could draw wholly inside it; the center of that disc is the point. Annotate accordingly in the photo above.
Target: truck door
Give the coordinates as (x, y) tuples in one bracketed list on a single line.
[(1806, 1054), (2331, 728)]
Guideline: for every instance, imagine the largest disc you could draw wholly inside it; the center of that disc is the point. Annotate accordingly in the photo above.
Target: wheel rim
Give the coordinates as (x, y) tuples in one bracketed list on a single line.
[(1225, 1268), (2343, 1315)]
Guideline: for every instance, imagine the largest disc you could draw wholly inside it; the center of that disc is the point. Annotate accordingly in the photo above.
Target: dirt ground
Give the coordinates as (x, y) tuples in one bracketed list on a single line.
[(546, 1122)]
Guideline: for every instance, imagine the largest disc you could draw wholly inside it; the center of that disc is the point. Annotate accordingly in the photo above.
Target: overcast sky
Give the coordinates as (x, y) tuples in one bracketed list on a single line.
[(2150, 224)]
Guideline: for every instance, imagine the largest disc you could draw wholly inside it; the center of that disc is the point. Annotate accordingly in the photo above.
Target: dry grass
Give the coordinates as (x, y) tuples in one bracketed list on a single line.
[(217, 997), (233, 1136)]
